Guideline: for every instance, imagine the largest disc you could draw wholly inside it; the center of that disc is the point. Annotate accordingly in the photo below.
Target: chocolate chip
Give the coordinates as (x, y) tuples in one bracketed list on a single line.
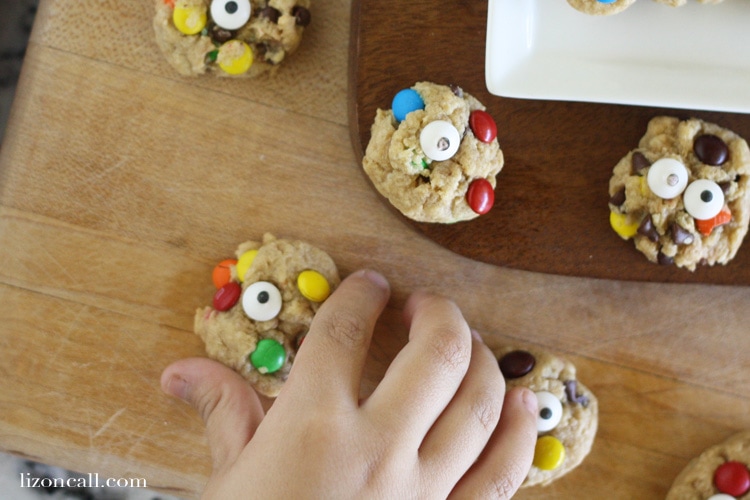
[(664, 260), (301, 15), (270, 13), (725, 187), (711, 150), (516, 364), (618, 198), (647, 229), (638, 162), (681, 236), (220, 35), (457, 91)]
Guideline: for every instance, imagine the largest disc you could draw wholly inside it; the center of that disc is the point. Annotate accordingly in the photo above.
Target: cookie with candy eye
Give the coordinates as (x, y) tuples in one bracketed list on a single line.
[(434, 155), (568, 410), (264, 303), (722, 472), (682, 195), (229, 37)]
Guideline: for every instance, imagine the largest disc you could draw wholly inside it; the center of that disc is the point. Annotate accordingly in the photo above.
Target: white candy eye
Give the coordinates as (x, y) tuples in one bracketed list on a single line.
[(230, 14), (703, 199), (439, 140), (261, 301), (667, 178), (550, 411)]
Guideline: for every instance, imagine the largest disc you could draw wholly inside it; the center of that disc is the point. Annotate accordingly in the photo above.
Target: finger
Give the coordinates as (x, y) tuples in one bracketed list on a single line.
[(426, 374), (229, 407), (462, 431), (330, 362), (505, 462)]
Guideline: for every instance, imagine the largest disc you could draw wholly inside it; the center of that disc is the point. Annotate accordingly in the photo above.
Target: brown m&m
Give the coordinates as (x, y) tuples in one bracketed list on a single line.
[(516, 364)]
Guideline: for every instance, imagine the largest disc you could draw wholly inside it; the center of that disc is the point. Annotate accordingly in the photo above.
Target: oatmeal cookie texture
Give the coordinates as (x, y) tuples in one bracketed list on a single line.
[(608, 7), (682, 195), (229, 37), (265, 301), (568, 410), (719, 473), (435, 154)]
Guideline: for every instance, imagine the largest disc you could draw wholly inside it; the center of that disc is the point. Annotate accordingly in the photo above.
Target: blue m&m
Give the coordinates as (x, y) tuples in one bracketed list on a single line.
[(406, 101)]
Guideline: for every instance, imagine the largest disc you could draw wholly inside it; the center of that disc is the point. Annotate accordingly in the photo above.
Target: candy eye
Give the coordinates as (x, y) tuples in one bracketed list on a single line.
[(261, 301), (667, 178), (230, 14), (439, 140), (550, 411), (703, 199)]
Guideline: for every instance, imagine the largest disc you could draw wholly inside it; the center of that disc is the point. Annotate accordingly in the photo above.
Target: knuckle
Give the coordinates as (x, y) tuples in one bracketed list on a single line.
[(449, 349), (486, 409), (505, 484), (347, 329)]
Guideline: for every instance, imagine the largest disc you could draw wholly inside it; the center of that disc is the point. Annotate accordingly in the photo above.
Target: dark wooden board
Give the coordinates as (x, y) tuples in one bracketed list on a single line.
[(551, 213)]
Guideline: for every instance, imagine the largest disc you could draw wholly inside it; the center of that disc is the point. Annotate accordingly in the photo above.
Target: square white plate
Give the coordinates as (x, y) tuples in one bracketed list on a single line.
[(693, 57)]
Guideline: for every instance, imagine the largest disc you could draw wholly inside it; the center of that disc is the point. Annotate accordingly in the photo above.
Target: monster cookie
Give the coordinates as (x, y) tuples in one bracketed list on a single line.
[(264, 303), (719, 473), (682, 195), (435, 154), (568, 411), (229, 37), (607, 7)]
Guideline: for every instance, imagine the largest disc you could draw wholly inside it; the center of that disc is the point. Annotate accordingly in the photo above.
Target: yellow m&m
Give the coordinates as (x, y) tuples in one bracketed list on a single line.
[(244, 263), (235, 57), (188, 18), (313, 286), (549, 453), (622, 226)]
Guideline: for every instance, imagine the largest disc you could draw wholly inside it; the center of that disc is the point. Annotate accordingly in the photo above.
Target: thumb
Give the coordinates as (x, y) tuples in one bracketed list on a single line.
[(228, 405)]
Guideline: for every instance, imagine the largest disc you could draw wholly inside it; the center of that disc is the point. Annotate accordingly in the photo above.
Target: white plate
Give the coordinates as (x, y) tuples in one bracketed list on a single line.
[(694, 57)]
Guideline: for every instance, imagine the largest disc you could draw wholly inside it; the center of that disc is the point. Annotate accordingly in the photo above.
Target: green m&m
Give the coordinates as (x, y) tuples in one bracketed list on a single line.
[(269, 356)]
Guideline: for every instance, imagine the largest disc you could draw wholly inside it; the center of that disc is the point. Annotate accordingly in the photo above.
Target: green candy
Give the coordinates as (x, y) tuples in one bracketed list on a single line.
[(269, 356)]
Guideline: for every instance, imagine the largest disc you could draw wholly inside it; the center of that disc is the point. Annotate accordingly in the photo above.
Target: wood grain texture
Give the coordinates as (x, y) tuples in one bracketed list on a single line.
[(121, 185), (551, 213)]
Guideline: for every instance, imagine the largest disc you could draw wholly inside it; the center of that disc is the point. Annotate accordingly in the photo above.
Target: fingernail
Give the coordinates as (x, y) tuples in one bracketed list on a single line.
[(374, 277), (177, 387), (529, 401)]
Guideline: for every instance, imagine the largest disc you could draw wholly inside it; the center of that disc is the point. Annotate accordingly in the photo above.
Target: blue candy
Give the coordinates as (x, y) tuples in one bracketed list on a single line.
[(606, 1), (405, 102)]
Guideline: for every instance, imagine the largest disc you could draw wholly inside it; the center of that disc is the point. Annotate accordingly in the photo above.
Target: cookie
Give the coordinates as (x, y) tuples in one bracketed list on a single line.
[(263, 306), (682, 196), (608, 7), (568, 410), (719, 473), (435, 154), (229, 37)]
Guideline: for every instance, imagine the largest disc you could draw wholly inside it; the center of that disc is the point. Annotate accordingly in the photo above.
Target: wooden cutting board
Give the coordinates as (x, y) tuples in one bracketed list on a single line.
[(551, 213)]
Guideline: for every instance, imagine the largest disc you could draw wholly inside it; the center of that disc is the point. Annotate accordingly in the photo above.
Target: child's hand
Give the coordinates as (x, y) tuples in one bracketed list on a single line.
[(431, 429)]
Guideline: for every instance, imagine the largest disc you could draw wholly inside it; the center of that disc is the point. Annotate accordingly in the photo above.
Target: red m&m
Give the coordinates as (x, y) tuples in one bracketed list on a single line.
[(227, 296), (732, 478), (480, 196), (482, 125)]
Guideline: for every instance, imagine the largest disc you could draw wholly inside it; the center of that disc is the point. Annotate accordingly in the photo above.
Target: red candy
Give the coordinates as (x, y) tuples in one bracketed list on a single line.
[(482, 125), (227, 296), (732, 478), (480, 196)]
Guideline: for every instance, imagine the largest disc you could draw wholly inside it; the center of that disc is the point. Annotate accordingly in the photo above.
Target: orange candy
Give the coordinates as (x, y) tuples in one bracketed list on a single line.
[(222, 273), (169, 2), (707, 225)]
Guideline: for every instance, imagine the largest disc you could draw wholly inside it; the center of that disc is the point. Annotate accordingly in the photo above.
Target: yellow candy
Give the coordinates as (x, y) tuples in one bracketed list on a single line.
[(549, 453), (188, 19), (235, 57), (620, 224), (313, 286), (244, 263)]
